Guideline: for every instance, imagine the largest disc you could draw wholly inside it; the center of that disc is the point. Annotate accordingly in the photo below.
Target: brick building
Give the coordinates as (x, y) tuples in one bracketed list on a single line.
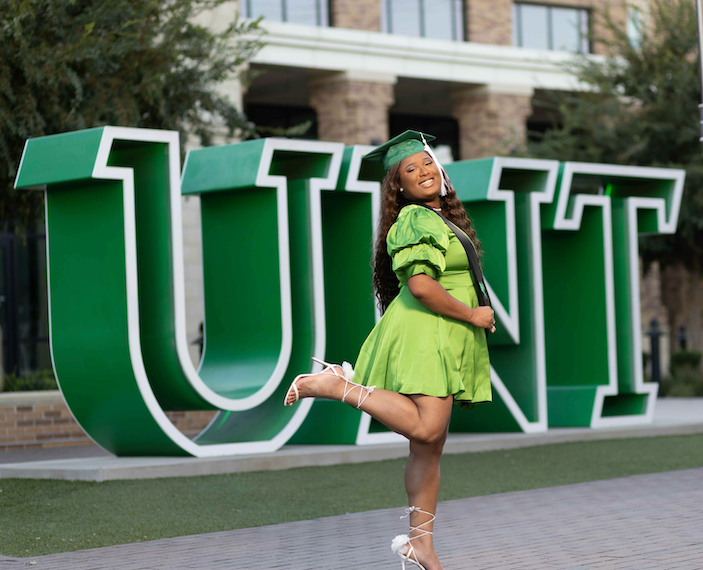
[(471, 72), (360, 71), (364, 70)]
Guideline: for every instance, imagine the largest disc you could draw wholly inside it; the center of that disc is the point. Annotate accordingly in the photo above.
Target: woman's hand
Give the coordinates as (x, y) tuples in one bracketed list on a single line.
[(483, 317)]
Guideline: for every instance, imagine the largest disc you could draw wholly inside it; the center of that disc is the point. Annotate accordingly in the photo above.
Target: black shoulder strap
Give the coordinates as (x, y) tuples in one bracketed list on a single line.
[(474, 264)]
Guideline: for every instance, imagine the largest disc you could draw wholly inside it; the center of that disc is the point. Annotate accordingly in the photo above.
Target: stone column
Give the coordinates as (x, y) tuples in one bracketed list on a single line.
[(356, 14), (352, 109), (492, 119), (651, 307), (489, 21)]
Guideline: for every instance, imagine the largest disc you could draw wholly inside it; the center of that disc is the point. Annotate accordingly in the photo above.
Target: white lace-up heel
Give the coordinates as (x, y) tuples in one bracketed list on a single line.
[(401, 543), (347, 375)]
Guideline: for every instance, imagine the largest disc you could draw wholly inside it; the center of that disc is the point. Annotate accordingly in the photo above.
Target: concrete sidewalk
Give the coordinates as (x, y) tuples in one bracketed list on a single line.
[(640, 522), (673, 416)]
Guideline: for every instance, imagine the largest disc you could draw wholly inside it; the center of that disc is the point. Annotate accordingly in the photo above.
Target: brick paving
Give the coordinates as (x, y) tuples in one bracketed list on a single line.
[(633, 523)]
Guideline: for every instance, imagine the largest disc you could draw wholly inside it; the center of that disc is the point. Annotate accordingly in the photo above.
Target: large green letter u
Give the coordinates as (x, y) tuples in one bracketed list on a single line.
[(116, 285)]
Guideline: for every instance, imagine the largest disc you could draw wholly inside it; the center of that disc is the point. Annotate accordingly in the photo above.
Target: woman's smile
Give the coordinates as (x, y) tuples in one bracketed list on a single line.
[(419, 178)]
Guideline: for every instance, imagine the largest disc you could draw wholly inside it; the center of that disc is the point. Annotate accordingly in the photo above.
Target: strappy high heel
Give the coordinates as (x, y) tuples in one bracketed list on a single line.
[(401, 543), (347, 375)]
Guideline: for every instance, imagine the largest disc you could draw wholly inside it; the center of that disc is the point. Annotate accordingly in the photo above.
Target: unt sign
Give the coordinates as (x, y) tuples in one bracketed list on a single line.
[(287, 234)]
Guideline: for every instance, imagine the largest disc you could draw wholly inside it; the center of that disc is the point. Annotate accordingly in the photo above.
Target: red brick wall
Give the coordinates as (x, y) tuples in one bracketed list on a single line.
[(490, 124), (356, 14), (191, 423), (489, 21), (352, 112), (43, 425)]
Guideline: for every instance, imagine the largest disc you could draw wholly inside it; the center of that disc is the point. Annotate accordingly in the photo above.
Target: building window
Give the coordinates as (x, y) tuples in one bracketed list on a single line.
[(309, 12), (634, 26), (550, 27), (439, 19)]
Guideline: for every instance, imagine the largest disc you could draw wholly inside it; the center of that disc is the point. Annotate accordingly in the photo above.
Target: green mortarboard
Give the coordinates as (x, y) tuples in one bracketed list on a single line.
[(398, 148)]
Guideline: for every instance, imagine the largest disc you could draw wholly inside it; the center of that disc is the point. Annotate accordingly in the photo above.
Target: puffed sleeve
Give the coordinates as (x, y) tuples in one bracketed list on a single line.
[(417, 243)]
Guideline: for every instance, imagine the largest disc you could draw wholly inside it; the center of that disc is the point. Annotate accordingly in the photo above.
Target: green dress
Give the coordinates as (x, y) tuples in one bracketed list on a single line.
[(412, 350)]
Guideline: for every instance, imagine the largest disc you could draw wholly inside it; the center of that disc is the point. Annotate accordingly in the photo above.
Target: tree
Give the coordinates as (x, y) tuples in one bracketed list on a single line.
[(75, 64), (640, 107)]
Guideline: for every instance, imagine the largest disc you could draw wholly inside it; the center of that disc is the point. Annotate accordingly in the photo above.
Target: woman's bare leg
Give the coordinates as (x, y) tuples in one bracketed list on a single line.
[(422, 419), (422, 486)]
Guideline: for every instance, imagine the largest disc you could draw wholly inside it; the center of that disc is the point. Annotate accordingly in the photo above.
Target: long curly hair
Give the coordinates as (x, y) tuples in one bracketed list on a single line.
[(385, 282)]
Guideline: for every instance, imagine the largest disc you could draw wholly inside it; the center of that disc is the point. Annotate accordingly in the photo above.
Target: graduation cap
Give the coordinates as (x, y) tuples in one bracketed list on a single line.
[(403, 146)]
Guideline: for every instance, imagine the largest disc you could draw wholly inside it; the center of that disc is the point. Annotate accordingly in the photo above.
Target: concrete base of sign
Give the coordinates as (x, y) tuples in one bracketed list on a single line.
[(673, 416)]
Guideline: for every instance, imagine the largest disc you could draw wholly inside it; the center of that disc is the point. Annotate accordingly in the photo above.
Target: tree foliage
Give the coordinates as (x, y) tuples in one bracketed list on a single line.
[(75, 64), (640, 107)]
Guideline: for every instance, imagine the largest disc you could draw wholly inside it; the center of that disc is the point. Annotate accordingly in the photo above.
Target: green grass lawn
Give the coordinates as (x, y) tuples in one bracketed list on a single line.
[(40, 517)]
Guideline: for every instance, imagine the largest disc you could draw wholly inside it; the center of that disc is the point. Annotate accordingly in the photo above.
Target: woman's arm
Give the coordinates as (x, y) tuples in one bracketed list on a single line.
[(438, 300)]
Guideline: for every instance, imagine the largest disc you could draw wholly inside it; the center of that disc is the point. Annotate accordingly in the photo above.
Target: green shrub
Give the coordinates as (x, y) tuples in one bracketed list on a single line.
[(684, 382), (41, 380), (685, 358)]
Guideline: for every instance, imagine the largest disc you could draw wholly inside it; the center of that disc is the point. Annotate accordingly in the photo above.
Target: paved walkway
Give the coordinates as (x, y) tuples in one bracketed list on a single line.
[(641, 522)]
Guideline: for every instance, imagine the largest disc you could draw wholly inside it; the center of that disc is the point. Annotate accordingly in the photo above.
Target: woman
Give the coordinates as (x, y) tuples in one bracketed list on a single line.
[(429, 350)]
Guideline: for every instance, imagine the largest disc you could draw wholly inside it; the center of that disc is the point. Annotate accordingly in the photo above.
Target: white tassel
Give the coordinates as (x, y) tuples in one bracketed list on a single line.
[(400, 542), (347, 370), (443, 190)]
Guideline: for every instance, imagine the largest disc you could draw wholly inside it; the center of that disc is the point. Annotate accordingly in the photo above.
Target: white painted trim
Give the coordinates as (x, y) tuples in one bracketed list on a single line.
[(353, 184), (506, 89), (536, 200), (570, 168), (361, 52), (510, 320), (19, 168), (355, 75), (31, 398), (526, 425)]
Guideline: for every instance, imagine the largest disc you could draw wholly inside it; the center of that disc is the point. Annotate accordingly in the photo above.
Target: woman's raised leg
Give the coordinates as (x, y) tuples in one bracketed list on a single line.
[(423, 419)]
